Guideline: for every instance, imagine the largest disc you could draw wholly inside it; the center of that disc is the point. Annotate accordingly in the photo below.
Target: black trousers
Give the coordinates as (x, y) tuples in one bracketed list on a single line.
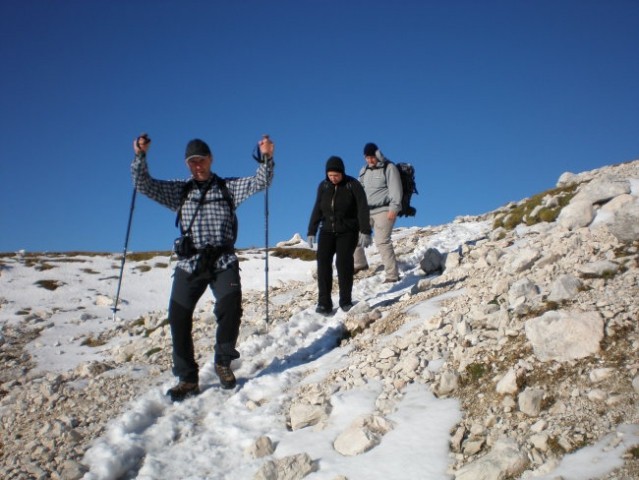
[(341, 246), (185, 293)]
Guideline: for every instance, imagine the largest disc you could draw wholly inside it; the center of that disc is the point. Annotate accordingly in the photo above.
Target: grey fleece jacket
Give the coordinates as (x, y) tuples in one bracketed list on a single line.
[(383, 187)]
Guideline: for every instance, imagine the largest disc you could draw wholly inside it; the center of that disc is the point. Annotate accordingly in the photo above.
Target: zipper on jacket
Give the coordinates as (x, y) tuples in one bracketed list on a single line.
[(333, 207)]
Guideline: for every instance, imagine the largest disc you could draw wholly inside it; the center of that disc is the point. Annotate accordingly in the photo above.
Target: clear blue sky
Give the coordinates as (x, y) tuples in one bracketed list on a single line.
[(490, 100)]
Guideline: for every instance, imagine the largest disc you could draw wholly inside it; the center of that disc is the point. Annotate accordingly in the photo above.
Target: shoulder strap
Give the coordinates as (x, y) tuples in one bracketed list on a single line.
[(326, 185), (221, 183), (185, 193)]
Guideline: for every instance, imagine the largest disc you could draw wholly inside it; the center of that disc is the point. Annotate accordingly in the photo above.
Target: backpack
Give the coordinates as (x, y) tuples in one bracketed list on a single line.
[(407, 176), (221, 183)]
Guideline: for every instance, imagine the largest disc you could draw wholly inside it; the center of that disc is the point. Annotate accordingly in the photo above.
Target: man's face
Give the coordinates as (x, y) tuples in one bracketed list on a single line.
[(200, 167), (334, 177), (371, 160)]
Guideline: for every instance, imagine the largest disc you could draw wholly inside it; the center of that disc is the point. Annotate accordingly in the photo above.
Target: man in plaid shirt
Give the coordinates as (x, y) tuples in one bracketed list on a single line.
[(206, 212)]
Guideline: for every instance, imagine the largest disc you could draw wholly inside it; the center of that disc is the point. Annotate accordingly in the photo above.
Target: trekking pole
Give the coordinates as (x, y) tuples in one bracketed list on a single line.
[(126, 245), (147, 140), (263, 158), (266, 235)]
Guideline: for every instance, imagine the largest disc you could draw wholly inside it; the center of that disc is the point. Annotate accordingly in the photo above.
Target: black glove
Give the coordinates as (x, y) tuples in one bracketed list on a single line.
[(257, 155)]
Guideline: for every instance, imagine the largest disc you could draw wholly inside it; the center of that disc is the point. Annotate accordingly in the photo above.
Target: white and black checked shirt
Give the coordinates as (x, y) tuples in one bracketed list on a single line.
[(213, 224)]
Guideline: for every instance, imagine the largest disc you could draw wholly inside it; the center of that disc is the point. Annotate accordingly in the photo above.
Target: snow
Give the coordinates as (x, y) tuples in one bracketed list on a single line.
[(205, 437)]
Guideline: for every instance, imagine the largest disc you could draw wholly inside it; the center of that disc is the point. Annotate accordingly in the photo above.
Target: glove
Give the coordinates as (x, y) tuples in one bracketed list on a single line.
[(257, 155), (364, 240), (310, 240)]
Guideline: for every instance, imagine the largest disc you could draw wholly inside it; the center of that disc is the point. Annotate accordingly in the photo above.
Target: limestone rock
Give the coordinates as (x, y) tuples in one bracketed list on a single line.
[(563, 336), (362, 435), (294, 467), (505, 460)]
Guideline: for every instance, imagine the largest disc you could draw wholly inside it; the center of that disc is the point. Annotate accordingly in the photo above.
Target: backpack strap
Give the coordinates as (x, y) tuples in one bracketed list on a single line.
[(221, 183), (326, 185), (185, 193)]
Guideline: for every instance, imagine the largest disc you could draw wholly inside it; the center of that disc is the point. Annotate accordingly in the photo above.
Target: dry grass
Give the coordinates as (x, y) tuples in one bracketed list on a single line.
[(305, 254), (50, 284), (527, 211)]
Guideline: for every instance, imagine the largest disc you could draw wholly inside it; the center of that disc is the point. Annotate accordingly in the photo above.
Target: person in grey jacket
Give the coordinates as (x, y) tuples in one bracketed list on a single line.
[(205, 205), (383, 186)]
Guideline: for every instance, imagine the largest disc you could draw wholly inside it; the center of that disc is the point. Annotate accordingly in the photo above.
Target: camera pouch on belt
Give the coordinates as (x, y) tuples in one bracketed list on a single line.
[(184, 247)]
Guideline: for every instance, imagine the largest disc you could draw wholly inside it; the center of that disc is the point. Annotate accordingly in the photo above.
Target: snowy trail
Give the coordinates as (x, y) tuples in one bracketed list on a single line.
[(162, 432), (205, 437)]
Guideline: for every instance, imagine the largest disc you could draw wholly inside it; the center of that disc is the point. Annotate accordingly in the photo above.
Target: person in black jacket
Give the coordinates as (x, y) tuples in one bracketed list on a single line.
[(342, 210)]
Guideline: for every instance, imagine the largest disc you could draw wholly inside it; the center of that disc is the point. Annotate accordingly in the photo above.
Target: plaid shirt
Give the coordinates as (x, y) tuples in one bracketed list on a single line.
[(213, 223)]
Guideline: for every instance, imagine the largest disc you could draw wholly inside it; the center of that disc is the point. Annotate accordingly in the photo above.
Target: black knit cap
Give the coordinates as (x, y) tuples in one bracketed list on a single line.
[(197, 148), (370, 149), (335, 164)]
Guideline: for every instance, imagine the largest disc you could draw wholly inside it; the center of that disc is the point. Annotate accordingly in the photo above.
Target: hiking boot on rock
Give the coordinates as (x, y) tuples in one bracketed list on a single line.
[(324, 310), (225, 374), (346, 307), (183, 390)]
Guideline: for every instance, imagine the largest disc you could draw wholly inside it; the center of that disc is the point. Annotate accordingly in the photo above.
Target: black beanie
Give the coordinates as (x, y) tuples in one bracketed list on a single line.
[(335, 164), (370, 150), (197, 148)]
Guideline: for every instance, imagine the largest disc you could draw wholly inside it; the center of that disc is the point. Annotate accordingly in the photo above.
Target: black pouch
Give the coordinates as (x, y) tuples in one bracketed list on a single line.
[(184, 247)]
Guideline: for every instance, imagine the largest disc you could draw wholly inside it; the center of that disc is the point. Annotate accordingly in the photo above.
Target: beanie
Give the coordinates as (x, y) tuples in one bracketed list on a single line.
[(370, 150), (335, 164), (197, 148)]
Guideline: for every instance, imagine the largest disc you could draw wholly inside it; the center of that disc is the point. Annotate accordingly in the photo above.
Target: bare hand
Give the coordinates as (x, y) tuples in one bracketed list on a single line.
[(267, 147), (392, 215), (141, 144)]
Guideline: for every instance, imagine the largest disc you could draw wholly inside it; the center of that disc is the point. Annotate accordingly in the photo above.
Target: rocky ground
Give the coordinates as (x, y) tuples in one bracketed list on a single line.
[(540, 345)]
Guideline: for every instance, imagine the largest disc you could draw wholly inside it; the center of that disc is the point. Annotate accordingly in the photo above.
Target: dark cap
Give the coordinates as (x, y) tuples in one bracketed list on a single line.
[(335, 164), (197, 148), (370, 150)]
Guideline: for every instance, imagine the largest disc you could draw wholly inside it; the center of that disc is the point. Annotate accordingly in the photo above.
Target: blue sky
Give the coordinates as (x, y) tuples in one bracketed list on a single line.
[(490, 100)]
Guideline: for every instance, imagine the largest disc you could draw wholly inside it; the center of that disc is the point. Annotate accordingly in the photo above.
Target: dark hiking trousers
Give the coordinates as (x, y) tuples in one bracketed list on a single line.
[(186, 291), (341, 246)]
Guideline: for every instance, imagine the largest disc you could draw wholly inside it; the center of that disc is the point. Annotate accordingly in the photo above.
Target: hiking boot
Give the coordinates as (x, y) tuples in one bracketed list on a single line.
[(183, 390), (324, 310), (346, 307), (225, 374)]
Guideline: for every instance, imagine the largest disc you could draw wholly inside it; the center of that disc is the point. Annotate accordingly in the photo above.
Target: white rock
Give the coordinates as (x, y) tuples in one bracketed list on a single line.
[(600, 374), (508, 383), (576, 214), (565, 287), (530, 401), (563, 336), (304, 415), (505, 460), (362, 435), (597, 395)]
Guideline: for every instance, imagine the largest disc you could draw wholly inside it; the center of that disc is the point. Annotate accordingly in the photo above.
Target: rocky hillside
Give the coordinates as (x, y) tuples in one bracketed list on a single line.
[(538, 339)]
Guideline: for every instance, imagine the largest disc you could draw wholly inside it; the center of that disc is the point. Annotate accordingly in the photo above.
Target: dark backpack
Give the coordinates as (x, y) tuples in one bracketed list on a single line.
[(407, 176)]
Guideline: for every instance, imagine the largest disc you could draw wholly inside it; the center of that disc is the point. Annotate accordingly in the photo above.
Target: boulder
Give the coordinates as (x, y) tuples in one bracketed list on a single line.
[(563, 336)]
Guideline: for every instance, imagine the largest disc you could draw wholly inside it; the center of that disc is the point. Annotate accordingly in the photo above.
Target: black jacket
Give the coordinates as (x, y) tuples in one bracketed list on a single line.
[(340, 208)]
